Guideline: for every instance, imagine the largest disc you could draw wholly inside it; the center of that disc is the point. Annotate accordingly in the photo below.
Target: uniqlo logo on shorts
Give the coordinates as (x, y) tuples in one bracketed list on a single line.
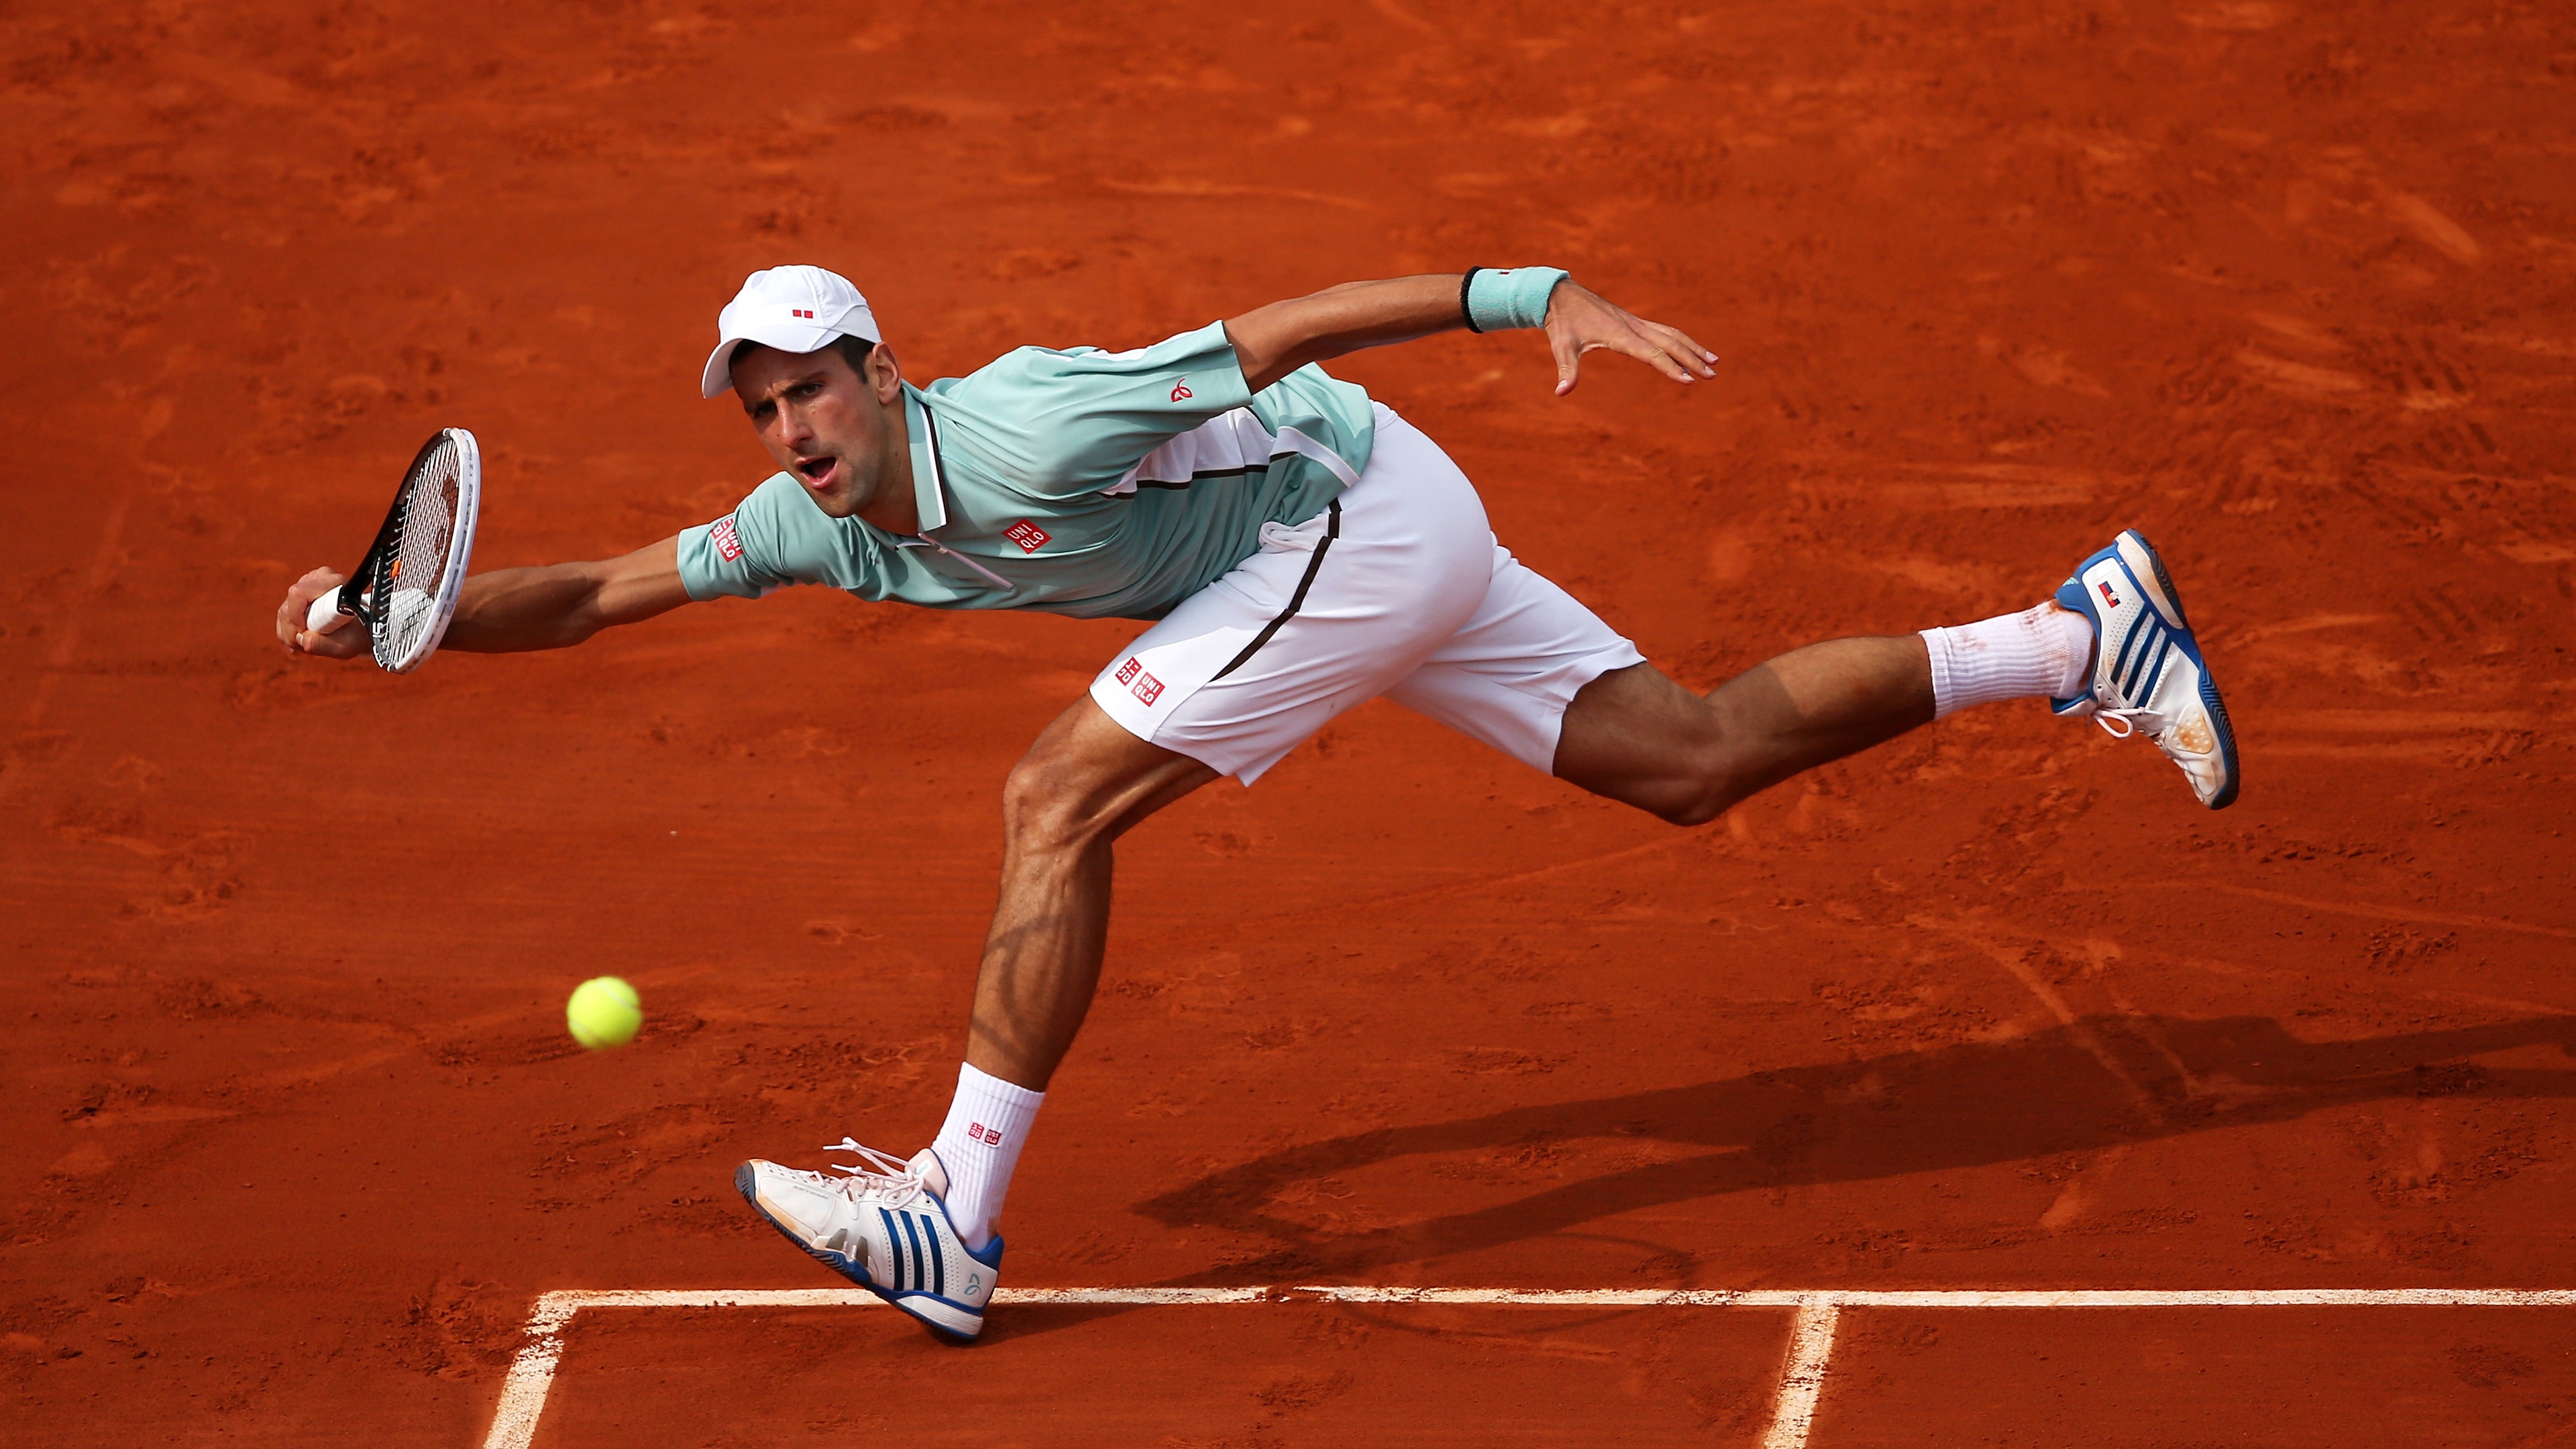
[(728, 542), (1147, 688), (1128, 671), (986, 1135), (1027, 535)]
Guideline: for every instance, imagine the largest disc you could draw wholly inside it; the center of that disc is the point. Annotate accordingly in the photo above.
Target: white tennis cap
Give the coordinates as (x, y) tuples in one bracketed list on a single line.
[(794, 309)]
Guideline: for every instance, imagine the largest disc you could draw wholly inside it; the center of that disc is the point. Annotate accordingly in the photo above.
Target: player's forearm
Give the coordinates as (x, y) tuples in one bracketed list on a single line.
[(558, 605), (1274, 341), (527, 608)]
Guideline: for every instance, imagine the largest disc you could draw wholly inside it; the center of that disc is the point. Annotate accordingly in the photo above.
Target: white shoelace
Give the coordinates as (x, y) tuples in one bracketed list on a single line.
[(2128, 721), (888, 1179)]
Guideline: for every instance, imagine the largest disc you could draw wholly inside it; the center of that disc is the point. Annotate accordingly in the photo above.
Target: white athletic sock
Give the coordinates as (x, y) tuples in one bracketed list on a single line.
[(2044, 650), (979, 1145)]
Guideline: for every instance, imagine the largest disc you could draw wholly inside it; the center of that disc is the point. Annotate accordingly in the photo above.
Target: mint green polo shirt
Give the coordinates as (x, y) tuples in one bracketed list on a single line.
[(1081, 482)]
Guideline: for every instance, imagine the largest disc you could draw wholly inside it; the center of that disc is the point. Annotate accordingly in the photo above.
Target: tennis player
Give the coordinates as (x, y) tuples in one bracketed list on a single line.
[(1300, 548)]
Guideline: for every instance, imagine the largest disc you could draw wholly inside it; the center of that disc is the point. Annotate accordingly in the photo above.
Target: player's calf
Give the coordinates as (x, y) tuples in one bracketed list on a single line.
[(1635, 736)]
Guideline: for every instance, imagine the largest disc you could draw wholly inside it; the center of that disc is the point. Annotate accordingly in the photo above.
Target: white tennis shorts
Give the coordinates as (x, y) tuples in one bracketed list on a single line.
[(1397, 589)]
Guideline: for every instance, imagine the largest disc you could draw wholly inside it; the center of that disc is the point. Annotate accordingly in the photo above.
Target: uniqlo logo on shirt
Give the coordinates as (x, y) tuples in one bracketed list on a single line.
[(1147, 688), (1128, 671), (1027, 535), (990, 1137), (728, 542)]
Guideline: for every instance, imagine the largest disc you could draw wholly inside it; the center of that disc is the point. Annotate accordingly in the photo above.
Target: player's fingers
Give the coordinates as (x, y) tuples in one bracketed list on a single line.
[(292, 615), (330, 646), (1569, 354), (1700, 356), (1651, 352), (1678, 348)]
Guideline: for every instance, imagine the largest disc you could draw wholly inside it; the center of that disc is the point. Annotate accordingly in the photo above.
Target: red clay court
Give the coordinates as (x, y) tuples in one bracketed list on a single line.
[(1711, 1119)]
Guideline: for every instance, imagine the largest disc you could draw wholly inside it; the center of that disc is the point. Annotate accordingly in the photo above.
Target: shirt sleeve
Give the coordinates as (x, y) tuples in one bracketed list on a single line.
[(776, 536), (1080, 418)]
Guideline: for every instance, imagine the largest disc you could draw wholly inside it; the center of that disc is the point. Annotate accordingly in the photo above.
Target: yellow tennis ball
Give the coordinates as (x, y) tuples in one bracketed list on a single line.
[(603, 1012)]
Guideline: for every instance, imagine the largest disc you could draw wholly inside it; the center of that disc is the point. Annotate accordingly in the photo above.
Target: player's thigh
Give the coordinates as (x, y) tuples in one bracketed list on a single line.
[(1511, 674), (1089, 777)]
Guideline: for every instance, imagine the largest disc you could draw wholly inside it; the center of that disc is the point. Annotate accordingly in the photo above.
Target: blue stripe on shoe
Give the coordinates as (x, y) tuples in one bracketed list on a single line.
[(2156, 672), (894, 1244), (2149, 632), (912, 1230), (2128, 645), (938, 1258)]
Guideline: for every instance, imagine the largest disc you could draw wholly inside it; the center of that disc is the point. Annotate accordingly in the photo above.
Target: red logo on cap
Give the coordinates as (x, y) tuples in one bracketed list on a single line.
[(1027, 535), (727, 540), (1181, 390)]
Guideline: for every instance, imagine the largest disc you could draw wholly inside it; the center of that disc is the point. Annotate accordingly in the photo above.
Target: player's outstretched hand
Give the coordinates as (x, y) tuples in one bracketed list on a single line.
[(1580, 319), (345, 639)]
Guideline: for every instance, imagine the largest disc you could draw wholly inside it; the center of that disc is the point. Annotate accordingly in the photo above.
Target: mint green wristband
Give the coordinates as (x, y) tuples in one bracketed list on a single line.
[(1514, 298)]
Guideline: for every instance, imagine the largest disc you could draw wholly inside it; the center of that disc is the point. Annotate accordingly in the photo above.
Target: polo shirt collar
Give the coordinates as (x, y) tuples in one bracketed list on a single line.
[(929, 484)]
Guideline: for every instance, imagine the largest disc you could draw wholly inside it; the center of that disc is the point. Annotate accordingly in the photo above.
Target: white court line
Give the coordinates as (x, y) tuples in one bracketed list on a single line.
[(1802, 1374), (1802, 1369)]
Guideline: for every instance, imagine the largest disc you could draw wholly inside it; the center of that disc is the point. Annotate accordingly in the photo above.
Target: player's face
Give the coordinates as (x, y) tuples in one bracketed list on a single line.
[(824, 422)]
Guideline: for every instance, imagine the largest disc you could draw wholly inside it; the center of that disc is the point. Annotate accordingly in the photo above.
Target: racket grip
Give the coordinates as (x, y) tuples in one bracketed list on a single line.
[(325, 614)]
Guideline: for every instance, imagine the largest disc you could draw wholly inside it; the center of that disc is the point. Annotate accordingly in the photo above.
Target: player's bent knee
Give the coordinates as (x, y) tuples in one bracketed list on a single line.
[(1697, 810), (1693, 805), (1042, 806), (1709, 788)]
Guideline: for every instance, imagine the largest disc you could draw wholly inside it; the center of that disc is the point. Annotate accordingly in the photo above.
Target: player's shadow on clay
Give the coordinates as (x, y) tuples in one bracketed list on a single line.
[(2098, 1083)]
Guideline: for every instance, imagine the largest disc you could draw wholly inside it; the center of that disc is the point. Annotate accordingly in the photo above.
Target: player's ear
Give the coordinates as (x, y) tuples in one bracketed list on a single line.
[(884, 373)]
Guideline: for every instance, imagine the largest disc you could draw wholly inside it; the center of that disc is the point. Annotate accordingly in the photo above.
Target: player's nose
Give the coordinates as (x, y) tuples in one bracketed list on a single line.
[(790, 427)]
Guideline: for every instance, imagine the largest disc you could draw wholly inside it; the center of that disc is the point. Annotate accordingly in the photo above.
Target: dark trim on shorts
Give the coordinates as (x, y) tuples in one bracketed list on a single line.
[(1296, 601)]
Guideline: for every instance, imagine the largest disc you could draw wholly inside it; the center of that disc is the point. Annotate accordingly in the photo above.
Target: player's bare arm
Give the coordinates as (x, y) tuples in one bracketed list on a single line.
[(509, 610), (838, 429), (1274, 341)]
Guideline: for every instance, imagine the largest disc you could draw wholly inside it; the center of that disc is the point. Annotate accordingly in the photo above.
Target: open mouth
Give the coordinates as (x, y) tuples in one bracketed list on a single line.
[(815, 470)]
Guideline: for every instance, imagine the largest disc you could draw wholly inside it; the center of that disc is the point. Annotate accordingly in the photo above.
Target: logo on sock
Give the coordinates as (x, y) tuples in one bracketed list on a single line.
[(989, 1136)]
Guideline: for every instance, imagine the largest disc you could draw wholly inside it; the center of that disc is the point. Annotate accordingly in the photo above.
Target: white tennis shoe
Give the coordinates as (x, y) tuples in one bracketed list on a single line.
[(885, 1227), (2148, 674)]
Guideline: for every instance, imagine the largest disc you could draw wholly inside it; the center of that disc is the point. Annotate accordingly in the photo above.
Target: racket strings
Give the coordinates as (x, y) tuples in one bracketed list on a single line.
[(415, 568)]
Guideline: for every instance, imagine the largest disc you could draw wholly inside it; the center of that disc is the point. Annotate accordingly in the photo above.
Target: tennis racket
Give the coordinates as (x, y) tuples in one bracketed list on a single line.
[(405, 589)]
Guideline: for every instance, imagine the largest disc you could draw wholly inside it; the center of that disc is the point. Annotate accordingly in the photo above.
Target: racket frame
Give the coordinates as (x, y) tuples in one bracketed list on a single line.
[(367, 594)]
